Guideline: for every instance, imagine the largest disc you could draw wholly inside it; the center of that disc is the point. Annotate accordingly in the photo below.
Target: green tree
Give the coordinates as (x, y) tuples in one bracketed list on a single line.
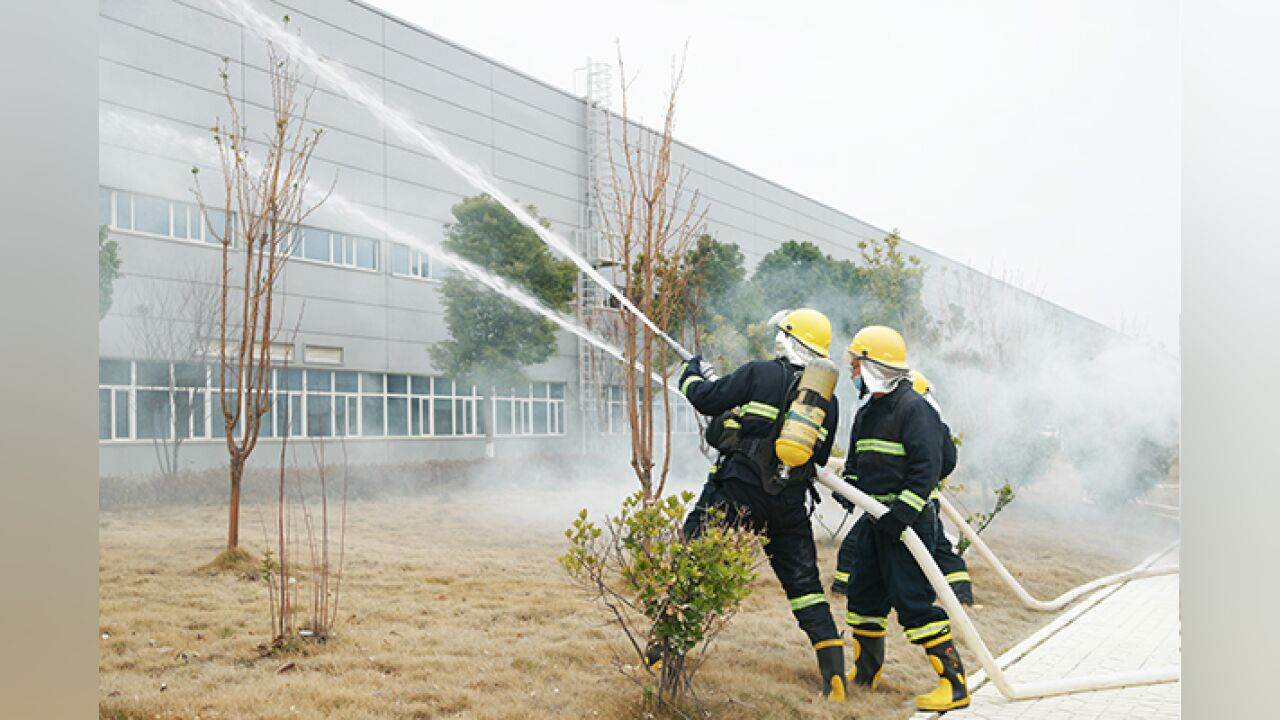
[(794, 273), (716, 269), (893, 281), (108, 270), (492, 339), (799, 274)]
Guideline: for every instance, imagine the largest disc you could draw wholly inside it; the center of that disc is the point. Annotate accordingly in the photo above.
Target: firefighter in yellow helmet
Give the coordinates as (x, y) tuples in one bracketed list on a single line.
[(953, 567), (896, 456), (748, 480)]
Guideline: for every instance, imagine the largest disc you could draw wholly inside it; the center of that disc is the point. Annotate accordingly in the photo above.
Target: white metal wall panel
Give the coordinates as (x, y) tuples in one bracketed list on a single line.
[(348, 16), (425, 48), (557, 128), (184, 23), (535, 94), (451, 120), (431, 80)]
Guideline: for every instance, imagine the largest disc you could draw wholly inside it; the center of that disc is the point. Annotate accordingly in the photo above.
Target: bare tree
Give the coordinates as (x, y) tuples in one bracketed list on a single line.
[(284, 575), (994, 312), (265, 201), (651, 222), (176, 324)]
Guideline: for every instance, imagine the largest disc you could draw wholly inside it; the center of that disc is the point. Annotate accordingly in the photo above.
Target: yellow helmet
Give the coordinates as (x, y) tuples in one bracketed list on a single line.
[(810, 327), (920, 383), (882, 344)]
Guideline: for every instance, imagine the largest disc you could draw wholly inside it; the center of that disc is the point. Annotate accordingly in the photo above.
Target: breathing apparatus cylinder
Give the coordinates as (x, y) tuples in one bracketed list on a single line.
[(805, 414)]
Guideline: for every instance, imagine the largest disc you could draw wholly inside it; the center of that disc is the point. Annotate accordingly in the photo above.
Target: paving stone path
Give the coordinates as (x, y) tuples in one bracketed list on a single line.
[(1134, 627)]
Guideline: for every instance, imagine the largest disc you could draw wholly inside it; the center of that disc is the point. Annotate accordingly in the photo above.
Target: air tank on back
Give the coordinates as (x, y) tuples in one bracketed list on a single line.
[(799, 437)]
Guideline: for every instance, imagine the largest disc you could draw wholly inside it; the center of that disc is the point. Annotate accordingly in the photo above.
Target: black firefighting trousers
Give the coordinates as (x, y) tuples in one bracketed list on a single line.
[(884, 575), (953, 567), (784, 521)]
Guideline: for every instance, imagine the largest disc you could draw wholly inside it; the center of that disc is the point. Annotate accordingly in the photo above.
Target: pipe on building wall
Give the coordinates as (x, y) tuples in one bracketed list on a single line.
[(960, 619)]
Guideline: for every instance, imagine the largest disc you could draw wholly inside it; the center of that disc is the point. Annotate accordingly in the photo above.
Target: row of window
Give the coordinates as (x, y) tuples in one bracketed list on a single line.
[(140, 400), (616, 416), (183, 221)]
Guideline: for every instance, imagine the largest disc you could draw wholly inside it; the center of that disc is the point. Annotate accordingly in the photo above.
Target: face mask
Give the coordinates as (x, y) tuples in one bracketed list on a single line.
[(881, 378), (861, 386), (788, 347)]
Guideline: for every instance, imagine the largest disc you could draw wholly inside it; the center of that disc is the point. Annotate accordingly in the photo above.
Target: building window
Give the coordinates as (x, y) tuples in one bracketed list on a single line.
[(286, 407), (158, 216), (319, 355), (397, 405), (151, 215), (145, 400), (184, 221), (537, 409), (372, 401), (336, 248), (115, 385), (281, 353), (346, 404), (213, 227), (685, 421), (411, 262), (617, 410), (319, 402), (124, 211)]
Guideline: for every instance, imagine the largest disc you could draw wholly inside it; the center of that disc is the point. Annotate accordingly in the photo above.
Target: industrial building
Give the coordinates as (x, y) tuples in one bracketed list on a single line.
[(369, 307)]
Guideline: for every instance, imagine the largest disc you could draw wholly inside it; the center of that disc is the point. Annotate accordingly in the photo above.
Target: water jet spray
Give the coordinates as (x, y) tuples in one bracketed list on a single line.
[(403, 125)]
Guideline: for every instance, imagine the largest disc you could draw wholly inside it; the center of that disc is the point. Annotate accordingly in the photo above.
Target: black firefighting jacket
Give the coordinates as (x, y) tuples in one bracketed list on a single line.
[(896, 451), (759, 390)]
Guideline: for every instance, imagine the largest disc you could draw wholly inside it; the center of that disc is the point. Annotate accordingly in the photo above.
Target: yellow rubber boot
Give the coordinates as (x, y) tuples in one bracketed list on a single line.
[(653, 657), (952, 692), (868, 658), (831, 665)]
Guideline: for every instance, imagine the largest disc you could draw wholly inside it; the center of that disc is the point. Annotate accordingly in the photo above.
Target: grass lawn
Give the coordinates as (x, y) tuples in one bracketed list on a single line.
[(453, 605)]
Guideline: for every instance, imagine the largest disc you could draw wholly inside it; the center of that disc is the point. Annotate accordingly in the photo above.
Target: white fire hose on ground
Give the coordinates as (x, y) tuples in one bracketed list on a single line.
[(1065, 598), (960, 619)]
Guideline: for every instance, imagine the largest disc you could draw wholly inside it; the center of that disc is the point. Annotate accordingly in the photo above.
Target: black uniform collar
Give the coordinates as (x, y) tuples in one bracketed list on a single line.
[(782, 360)]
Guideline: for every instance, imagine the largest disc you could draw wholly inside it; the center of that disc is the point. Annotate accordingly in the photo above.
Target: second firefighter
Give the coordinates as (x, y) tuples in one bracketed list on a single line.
[(896, 456)]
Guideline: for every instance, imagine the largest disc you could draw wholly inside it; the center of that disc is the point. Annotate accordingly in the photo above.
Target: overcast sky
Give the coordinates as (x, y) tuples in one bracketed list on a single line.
[(1038, 140)]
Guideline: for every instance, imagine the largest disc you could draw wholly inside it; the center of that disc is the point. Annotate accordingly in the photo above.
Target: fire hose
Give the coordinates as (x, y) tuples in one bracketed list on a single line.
[(1066, 598), (965, 627)]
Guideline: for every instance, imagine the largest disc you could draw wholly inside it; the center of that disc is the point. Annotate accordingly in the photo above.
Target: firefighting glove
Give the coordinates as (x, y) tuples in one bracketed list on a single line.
[(890, 527), (691, 374)]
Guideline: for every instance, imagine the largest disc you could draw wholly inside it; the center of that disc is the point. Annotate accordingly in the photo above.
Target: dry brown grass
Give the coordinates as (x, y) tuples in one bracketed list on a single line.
[(456, 606)]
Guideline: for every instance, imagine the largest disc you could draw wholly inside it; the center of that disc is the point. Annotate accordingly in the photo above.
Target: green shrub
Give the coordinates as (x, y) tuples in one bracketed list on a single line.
[(671, 596)]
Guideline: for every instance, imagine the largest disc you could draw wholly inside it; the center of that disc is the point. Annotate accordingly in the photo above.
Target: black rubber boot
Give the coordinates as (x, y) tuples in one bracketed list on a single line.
[(831, 665), (868, 659), (953, 689)]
